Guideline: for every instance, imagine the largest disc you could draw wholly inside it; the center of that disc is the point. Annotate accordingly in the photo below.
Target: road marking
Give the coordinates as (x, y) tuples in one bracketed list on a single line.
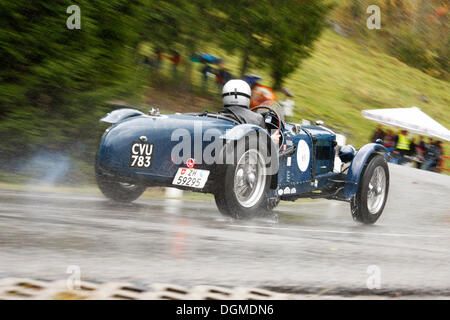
[(344, 232)]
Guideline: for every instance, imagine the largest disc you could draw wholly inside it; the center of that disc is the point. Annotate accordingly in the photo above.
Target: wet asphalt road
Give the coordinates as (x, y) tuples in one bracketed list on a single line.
[(313, 247)]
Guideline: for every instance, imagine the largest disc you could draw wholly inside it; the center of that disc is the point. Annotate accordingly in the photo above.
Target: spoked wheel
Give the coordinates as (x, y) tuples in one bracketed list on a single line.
[(370, 199), (244, 191), (377, 191)]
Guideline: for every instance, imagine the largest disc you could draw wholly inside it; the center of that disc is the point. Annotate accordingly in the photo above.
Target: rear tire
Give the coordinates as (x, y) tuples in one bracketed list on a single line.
[(117, 190), (244, 187), (370, 199)]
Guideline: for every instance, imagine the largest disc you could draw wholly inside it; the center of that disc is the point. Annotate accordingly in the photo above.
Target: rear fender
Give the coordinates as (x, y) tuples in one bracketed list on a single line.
[(120, 114), (240, 131), (357, 166)]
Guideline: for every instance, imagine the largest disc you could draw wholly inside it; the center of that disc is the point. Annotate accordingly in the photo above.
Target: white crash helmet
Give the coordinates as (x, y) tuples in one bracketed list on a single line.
[(236, 93)]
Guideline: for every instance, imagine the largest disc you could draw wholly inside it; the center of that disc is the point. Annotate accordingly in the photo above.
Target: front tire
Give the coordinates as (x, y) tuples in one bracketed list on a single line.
[(117, 190), (370, 199), (244, 187)]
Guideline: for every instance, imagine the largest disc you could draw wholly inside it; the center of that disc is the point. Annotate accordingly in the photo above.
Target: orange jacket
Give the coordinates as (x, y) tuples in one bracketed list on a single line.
[(261, 94)]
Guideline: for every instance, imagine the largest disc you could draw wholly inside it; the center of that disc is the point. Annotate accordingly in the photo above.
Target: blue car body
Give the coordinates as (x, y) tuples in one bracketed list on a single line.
[(295, 178)]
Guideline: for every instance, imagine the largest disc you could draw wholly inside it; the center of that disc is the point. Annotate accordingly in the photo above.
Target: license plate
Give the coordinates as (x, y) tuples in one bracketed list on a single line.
[(141, 155), (193, 178)]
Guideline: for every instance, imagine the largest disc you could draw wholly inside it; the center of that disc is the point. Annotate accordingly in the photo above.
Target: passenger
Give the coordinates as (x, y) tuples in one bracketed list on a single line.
[(260, 93)]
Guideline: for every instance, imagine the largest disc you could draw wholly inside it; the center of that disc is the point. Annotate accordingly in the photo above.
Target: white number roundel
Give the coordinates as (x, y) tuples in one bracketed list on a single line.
[(303, 155)]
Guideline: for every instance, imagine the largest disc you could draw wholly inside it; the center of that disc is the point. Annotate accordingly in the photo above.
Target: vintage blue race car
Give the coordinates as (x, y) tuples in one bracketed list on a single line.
[(246, 171)]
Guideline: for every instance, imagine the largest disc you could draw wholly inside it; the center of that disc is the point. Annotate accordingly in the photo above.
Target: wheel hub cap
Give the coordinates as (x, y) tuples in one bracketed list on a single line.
[(249, 178)]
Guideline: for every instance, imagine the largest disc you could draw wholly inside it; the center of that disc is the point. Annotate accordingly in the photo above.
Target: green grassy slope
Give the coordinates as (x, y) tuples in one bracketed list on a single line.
[(343, 77)]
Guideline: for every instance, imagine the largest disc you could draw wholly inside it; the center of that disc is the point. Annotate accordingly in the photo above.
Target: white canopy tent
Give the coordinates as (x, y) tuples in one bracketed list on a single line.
[(411, 119)]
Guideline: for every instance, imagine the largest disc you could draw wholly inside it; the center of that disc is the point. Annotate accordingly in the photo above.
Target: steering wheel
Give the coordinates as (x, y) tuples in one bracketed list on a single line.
[(272, 112), (277, 118)]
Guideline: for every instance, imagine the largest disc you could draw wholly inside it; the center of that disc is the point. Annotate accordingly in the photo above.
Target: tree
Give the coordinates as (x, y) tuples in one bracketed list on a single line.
[(51, 76), (295, 25), (178, 25), (242, 27), (275, 34)]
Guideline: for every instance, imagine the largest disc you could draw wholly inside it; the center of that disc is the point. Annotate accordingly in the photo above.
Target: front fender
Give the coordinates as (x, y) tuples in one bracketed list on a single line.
[(357, 166), (120, 114)]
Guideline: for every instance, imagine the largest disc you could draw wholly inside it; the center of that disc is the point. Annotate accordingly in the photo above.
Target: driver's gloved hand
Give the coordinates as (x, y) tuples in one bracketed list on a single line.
[(276, 137)]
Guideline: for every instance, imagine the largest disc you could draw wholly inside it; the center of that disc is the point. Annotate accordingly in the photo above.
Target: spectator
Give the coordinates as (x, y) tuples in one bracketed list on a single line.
[(402, 147), (430, 142), (175, 59), (413, 153), (420, 150), (421, 144), (441, 152), (158, 59), (206, 69), (412, 147), (439, 145), (432, 156), (378, 134), (222, 76), (227, 76), (389, 140)]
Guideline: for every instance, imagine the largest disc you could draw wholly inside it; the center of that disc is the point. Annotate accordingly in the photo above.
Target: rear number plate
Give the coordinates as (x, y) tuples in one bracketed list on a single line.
[(193, 178), (141, 155)]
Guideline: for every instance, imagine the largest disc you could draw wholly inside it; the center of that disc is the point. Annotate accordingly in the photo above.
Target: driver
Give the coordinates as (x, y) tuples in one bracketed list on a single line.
[(236, 96)]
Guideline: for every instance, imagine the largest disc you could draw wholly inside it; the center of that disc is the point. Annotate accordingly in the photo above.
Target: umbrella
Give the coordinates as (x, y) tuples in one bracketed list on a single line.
[(412, 119), (252, 79), (206, 58)]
